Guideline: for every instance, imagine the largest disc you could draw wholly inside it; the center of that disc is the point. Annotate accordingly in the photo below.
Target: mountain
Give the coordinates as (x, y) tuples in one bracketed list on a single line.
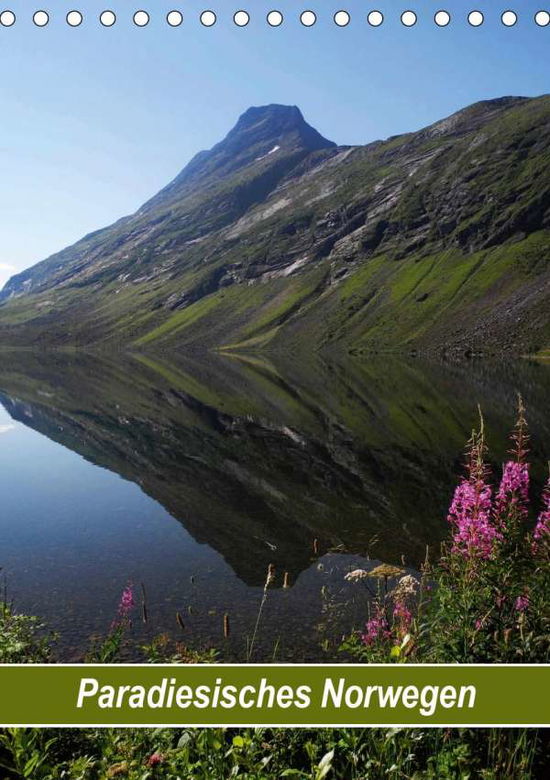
[(276, 238)]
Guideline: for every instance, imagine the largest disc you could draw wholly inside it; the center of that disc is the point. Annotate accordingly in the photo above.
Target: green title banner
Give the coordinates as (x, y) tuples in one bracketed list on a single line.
[(282, 695)]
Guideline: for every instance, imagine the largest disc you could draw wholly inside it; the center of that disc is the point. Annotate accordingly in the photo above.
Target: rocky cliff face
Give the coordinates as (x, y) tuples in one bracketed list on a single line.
[(276, 238)]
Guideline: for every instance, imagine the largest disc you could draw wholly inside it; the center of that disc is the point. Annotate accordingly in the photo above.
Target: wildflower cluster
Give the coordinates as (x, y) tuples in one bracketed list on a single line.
[(391, 615), (376, 628), (487, 598), (402, 618)]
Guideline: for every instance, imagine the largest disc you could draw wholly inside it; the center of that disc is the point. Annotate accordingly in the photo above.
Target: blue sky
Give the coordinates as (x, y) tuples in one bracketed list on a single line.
[(95, 120)]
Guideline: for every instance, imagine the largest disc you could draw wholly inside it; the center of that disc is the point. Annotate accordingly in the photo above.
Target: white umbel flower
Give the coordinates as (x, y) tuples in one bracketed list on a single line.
[(356, 575)]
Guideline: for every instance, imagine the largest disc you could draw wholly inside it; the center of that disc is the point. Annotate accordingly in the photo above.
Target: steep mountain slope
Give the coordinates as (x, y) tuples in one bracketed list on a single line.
[(278, 239)]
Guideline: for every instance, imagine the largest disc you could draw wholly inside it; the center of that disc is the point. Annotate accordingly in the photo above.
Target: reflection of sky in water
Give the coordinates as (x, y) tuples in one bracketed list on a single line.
[(73, 534)]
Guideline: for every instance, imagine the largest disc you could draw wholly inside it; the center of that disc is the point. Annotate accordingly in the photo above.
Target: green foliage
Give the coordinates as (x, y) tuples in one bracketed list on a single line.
[(265, 754), (26, 753), (107, 649), (162, 650), (22, 638), (475, 620)]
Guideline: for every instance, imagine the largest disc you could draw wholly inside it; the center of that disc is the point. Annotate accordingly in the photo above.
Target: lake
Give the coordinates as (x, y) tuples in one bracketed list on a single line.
[(189, 476)]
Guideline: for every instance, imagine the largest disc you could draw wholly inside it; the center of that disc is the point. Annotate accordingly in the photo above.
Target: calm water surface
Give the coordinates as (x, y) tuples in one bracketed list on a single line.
[(191, 477)]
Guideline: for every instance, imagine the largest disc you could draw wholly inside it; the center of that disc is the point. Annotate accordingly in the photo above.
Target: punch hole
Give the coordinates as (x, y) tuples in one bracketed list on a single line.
[(342, 18), (41, 18), (308, 18), (275, 18), (74, 18), (509, 18), (141, 18), (174, 18), (107, 18), (208, 18), (375, 18), (542, 18), (408, 18), (442, 18), (7, 18), (475, 18), (241, 18)]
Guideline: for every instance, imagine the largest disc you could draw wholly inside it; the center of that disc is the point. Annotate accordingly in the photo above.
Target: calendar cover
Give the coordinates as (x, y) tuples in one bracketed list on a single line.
[(274, 390)]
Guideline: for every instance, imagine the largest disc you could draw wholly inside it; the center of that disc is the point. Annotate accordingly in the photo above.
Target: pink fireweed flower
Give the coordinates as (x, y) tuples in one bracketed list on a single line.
[(541, 532), (127, 602), (402, 615), (125, 606), (376, 628), (520, 437), (470, 515), (155, 759), (513, 492), (470, 512), (522, 603)]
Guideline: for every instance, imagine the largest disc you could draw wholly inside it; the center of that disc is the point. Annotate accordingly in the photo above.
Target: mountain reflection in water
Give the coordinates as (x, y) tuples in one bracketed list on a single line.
[(256, 457)]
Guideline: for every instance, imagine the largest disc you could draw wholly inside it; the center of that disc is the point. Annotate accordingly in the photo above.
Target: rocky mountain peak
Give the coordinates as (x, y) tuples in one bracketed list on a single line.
[(262, 133), (276, 122), (271, 113)]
